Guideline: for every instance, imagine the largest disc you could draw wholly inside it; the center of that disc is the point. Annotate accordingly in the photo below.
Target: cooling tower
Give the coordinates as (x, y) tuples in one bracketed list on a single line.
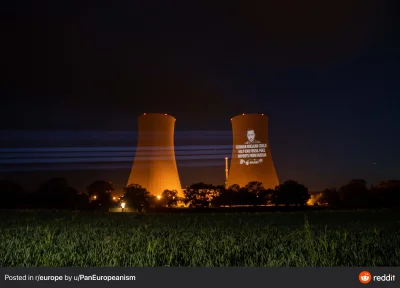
[(251, 154), (154, 166)]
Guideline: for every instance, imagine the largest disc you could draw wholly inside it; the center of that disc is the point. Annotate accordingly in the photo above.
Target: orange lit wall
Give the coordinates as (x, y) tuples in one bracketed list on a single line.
[(154, 166)]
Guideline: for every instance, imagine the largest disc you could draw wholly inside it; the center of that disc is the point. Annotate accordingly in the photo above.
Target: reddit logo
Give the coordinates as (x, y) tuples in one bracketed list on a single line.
[(365, 277)]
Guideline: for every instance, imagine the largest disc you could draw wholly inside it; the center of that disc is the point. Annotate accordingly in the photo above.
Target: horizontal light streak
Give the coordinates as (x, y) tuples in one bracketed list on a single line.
[(83, 135), (107, 149), (102, 166), (109, 154), (109, 159)]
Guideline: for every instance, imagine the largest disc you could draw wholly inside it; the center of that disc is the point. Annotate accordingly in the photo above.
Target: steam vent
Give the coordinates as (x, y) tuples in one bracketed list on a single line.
[(251, 154), (154, 166)]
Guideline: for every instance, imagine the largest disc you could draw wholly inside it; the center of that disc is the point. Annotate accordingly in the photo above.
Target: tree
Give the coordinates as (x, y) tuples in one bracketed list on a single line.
[(12, 195), (244, 197), (234, 188), (271, 195), (254, 187), (101, 193), (56, 194), (227, 196), (291, 193), (385, 195), (256, 192), (354, 194), (218, 195), (263, 196), (330, 197), (170, 198), (82, 202), (198, 195), (223, 196), (136, 196)]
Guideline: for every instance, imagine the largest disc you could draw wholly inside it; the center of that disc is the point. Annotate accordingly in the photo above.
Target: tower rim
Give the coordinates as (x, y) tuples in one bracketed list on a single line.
[(249, 114), (156, 114)]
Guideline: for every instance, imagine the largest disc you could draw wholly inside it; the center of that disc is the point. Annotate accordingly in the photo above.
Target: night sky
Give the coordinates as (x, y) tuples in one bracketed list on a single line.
[(78, 74)]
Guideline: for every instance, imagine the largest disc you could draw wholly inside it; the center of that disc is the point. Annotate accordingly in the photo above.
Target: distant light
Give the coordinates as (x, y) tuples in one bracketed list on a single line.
[(123, 205), (226, 158), (231, 119), (165, 114), (243, 114), (144, 113), (114, 198), (158, 197), (94, 197), (110, 182), (262, 114)]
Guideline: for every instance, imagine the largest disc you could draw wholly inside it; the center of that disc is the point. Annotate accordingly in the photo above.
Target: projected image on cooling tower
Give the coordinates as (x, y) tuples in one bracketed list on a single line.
[(251, 155), (252, 151)]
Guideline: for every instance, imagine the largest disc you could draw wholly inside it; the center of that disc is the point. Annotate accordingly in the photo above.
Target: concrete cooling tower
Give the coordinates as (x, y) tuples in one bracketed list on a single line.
[(154, 166), (251, 154)]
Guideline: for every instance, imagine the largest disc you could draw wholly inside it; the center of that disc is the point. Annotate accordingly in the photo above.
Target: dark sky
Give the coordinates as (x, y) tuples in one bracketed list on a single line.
[(78, 74)]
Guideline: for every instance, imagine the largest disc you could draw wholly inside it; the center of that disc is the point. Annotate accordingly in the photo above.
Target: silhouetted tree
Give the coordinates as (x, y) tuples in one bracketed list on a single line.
[(271, 195), (152, 201), (215, 192), (12, 195), (257, 193), (100, 194), (198, 195), (330, 197), (234, 188), (56, 194), (385, 195), (170, 198), (252, 193), (244, 197), (263, 196), (82, 202), (291, 193), (225, 197), (218, 196), (136, 197), (254, 187), (354, 194)]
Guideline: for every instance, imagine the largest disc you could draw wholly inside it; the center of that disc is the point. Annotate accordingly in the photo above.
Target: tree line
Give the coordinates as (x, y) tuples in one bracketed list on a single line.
[(356, 194), (57, 194)]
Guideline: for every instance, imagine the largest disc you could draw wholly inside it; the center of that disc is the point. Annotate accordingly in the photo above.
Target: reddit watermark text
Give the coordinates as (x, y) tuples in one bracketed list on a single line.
[(68, 278)]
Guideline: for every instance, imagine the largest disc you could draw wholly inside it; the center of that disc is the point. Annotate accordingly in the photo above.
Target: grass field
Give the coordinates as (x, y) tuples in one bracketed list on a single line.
[(260, 239)]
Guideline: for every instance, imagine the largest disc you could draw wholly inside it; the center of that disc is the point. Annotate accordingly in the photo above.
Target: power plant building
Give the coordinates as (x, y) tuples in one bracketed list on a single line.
[(154, 166), (251, 154)]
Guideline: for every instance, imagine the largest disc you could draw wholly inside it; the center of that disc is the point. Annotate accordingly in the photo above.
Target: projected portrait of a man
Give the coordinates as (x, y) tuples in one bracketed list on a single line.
[(251, 137)]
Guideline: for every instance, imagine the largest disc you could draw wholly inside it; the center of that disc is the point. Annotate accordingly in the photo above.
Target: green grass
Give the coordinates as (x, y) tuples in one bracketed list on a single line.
[(261, 239)]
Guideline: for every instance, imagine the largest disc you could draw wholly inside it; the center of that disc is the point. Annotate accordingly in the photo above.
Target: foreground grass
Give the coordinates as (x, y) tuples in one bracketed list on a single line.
[(261, 239)]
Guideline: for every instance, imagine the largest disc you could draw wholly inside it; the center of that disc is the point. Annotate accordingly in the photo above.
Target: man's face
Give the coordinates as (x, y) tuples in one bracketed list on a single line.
[(251, 135)]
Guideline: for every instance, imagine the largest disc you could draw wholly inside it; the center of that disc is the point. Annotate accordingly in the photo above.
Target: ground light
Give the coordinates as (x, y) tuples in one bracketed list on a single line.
[(122, 206)]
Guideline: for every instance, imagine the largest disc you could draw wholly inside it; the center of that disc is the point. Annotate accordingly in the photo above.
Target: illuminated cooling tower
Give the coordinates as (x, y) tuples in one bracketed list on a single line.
[(154, 166), (251, 154)]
